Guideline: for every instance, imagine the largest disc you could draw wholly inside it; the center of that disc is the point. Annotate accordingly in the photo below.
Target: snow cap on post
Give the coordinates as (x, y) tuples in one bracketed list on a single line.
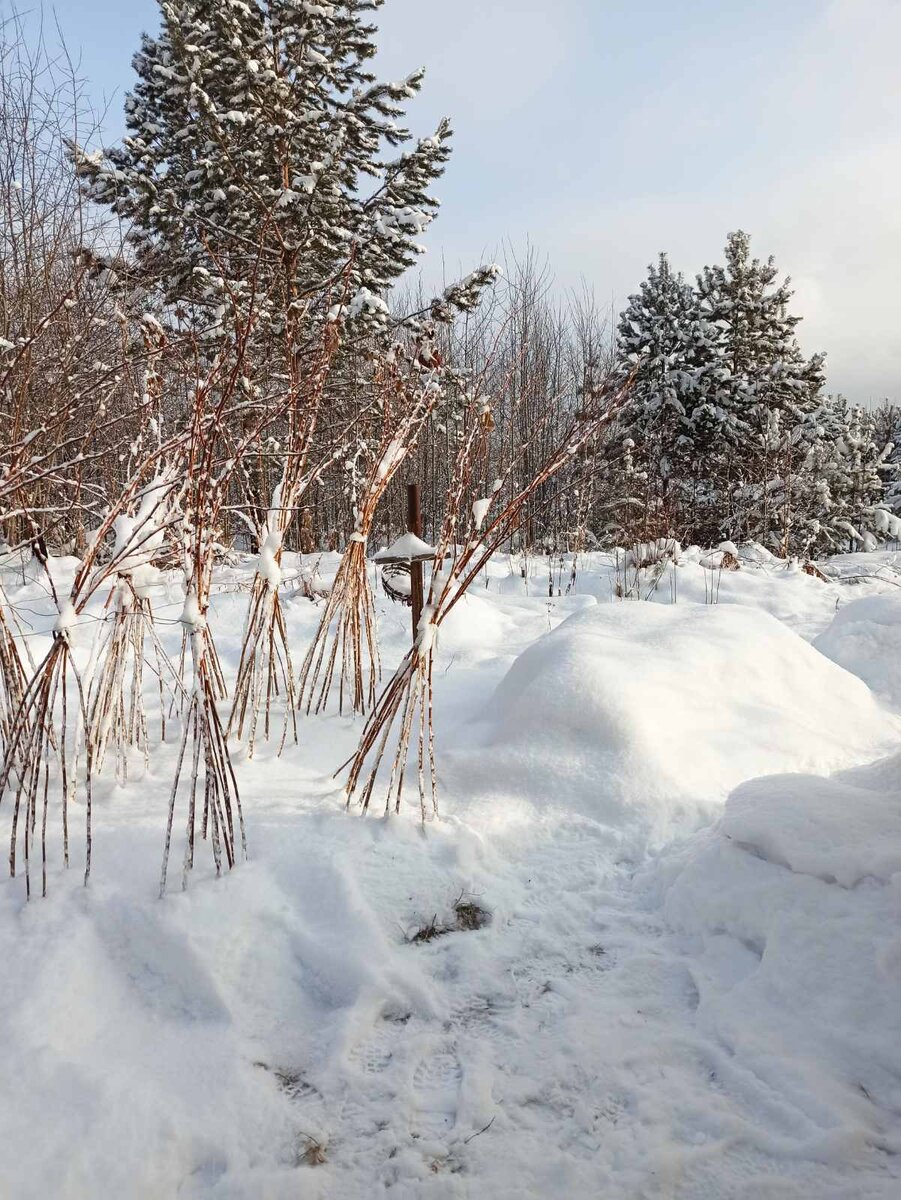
[(407, 549)]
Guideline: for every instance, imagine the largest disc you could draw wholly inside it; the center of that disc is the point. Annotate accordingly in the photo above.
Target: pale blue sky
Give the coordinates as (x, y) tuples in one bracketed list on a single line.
[(606, 130)]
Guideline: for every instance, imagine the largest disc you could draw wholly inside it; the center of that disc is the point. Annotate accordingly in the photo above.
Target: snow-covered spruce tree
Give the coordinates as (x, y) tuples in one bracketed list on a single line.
[(887, 425), (653, 353), (858, 472), (800, 499), (748, 366), (254, 161)]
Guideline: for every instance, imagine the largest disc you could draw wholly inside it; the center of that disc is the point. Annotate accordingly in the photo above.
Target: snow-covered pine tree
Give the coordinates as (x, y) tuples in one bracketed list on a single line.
[(653, 348), (263, 159), (269, 185), (748, 367)]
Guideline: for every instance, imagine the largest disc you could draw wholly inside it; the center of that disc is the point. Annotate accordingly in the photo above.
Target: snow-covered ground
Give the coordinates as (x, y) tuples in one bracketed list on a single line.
[(683, 822)]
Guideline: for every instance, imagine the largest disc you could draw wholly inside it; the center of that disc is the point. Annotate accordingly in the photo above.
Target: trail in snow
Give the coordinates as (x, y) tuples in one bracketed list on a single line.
[(571, 1031)]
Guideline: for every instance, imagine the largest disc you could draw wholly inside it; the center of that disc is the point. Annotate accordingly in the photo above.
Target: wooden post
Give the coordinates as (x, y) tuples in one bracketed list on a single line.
[(414, 525)]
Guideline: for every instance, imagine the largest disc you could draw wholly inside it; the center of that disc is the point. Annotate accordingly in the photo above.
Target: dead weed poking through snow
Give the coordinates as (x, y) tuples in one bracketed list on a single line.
[(468, 916)]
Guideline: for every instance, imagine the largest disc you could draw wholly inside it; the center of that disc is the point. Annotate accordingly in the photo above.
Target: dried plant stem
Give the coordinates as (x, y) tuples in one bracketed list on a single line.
[(13, 679), (32, 748), (265, 671), (221, 801), (347, 634), (117, 712), (221, 400), (44, 728), (347, 629)]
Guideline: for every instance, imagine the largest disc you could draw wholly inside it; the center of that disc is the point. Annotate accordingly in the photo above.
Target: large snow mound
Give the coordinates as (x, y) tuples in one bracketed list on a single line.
[(791, 909), (640, 714), (865, 638)]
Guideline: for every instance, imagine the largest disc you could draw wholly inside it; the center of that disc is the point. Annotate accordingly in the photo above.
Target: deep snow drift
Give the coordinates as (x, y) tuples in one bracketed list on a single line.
[(714, 1018)]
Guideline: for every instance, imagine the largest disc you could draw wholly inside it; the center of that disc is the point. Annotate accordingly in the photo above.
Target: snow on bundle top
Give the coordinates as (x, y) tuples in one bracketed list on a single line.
[(480, 510), (394, 455)]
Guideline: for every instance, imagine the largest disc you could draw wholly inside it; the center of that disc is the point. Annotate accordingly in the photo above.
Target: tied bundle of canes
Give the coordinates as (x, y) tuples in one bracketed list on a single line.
[(264, 669), (116, 690), (44, 727), (221, 399), (117, 712), (406, 704), (46, 480), (408, 392), (12, 671)]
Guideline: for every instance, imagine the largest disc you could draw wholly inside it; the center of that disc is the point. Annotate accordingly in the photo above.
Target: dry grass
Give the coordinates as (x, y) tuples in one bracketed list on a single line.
[(468, 917)]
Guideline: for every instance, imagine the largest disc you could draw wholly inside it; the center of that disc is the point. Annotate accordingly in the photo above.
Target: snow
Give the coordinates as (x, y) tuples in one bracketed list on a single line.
[(394, 455), (66, 620), (267, 563), (191, 616), (829, 829), (687, 983), (138, 538), (480, 510), (865, 638), (427, 632), (649, 553), (789, 908)]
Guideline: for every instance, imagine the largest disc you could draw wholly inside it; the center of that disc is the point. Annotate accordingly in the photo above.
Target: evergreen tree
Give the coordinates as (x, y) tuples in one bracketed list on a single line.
[(752, 386), (653, 349), (804, 502), (255, 162), (273, 198), (887, 424), (858, 479)]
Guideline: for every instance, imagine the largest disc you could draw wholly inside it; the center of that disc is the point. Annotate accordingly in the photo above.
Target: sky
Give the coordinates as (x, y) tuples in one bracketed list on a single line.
[(603, 131)]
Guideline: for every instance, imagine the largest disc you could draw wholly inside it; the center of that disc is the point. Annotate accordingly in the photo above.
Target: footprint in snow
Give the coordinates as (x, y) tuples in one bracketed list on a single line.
[(436, 1093), (372, 1057), (486, 1018)]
